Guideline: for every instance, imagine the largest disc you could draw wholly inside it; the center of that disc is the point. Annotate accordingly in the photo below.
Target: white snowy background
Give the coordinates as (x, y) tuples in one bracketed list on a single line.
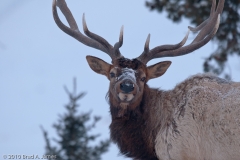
[(37, 59)]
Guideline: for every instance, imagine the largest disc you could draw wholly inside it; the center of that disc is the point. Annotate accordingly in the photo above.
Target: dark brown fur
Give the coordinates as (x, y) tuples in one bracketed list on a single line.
[(131, 132), (127, 63)]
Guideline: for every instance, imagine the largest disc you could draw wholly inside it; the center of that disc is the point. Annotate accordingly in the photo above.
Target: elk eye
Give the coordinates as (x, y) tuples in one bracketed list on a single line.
[(112, 74), (143, 79)]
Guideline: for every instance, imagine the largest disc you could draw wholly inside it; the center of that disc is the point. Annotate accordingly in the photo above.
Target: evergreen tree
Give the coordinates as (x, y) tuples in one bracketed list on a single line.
[(227, 37), (73, 142)]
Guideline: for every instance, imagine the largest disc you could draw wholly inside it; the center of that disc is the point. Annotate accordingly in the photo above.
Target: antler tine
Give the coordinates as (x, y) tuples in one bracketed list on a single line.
[(119, 43), (146, 46), (148, 55), (93, 40), (220, 7), (199, 27), (192, 47), (207, 30), (145, 54), (66, 12), (96, 37), (213, 8)]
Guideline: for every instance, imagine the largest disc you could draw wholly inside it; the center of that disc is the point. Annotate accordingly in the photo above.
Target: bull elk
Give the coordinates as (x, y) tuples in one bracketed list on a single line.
[(199, 119)]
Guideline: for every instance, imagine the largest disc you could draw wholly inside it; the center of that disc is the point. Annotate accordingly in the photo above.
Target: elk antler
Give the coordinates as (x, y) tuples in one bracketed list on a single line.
[(93, 40), (207, 30)]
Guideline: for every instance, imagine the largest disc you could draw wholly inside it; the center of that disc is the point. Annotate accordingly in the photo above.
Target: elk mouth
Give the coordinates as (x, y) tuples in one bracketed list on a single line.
[(126, 97)]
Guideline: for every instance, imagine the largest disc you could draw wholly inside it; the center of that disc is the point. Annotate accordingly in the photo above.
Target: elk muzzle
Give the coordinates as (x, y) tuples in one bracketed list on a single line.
[(127, 90), (127, 86)]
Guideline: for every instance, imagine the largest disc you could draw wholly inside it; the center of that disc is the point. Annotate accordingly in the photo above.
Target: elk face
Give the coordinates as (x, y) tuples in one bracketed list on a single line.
[(127, 78)]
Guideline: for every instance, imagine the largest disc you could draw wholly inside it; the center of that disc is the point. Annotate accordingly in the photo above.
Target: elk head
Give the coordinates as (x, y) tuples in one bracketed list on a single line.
[(129, 77)]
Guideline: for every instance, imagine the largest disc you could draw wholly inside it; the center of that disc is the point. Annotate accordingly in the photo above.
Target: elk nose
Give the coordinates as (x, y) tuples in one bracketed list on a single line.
[(127, 86)]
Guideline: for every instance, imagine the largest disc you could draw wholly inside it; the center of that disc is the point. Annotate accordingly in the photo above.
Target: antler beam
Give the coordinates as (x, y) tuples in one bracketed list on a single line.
[(207, 30)]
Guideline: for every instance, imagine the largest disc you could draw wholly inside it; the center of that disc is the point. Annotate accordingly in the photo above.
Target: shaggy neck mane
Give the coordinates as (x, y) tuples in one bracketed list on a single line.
[(134, 132)]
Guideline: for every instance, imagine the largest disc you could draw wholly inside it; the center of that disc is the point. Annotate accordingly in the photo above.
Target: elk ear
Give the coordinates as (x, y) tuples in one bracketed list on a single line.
[(158, 69), (98, 65)]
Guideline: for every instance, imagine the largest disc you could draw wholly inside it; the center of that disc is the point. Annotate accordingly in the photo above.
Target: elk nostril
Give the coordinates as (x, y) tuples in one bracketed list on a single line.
[(127, 86)]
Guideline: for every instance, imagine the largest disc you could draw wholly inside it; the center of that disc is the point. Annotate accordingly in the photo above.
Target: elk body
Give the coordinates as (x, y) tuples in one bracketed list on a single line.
[(198, 120)]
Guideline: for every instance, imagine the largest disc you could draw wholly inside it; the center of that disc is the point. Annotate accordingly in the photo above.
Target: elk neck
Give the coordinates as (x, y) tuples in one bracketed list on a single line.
[(136, 131)]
